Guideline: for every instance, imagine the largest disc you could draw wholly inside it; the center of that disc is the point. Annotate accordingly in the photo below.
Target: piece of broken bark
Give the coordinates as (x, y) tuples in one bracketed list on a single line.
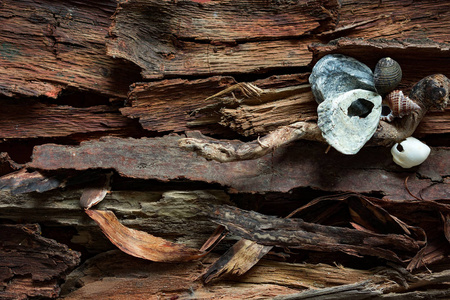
[(115, 274), (48, 46), (173, 214), (297, 234), (208, 38), (31, 119), (162, 159), (237, 260), (100, 275), (32, 266)]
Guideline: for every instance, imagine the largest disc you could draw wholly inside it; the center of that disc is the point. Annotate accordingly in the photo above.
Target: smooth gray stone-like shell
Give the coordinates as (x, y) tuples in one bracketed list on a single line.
[(349, 107), (335, 74), (349, 120)]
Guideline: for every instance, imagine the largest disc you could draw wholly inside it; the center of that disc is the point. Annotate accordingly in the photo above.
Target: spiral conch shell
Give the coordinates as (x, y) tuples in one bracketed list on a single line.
[(399, 104), (387, 75)]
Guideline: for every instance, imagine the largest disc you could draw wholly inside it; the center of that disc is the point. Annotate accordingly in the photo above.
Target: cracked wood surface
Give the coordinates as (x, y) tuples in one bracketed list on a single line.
[(47, 46), (32, 266), (171, 215), (217, 37), (32, 119), (298, 165)]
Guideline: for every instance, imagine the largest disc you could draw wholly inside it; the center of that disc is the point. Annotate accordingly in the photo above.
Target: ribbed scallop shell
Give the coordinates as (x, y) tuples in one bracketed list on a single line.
[(399, 104), (387, 75)]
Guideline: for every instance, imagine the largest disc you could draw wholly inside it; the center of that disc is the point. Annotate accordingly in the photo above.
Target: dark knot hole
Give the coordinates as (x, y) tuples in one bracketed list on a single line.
[(360, 108)]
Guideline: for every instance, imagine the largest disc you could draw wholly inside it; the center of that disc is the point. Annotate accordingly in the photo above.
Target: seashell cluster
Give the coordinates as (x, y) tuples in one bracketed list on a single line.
[(399, 104), (410, 153), (349, 108), (387, 75)]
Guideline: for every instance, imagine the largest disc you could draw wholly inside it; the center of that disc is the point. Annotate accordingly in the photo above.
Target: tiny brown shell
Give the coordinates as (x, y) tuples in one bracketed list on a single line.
[(432, 91), (387, 75), (399, 104)]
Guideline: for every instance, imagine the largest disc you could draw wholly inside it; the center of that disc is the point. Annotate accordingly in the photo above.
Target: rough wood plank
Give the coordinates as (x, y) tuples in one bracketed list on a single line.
[(113, 274), (166, 105), (170, 215), (99, 277), (394, 19), (46, 46), (217, 37), (32, 265), (298, 165), (31, 119)]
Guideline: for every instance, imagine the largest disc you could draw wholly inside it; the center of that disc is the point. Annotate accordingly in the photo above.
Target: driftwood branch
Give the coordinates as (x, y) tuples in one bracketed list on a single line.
[(432, 91)]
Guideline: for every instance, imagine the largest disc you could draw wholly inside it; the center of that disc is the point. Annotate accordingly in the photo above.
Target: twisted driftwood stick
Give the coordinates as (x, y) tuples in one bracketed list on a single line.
[(431, 91)]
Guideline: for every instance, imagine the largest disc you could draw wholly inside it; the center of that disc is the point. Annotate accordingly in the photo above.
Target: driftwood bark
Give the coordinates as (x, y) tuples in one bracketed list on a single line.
[(162, 159), (32, 265), (93, 87)]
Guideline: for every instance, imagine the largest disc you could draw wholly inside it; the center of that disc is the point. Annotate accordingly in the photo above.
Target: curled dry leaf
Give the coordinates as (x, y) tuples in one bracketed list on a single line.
[(141, 244), (94, 194)]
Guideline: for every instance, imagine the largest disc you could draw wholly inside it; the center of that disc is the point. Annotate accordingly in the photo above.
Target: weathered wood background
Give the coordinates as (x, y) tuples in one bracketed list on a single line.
[(94, 86)]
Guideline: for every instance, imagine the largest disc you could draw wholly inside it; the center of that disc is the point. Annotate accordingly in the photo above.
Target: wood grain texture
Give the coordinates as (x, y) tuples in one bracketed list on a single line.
[(172, 215), (32, 119), (115, 275), (217, 37), (32, 265), (47, 46), (394, 19), (299, 165), (102, 276)]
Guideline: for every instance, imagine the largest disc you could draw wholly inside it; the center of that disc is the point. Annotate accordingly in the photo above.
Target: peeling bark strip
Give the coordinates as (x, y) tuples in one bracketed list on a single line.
[(46, 46), (298, 165), (298, 234), (217, 37), (237, 260), (32, 266), (139, 243), (29, 119)]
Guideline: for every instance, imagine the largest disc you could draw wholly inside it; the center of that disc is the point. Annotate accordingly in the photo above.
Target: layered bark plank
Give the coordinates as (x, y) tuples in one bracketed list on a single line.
[(217, 37), (393, 19), (113, 274), (171, 215), (299, 165), (171, 105), (166, 105), (32, 265), (32, 119), (47, 46)]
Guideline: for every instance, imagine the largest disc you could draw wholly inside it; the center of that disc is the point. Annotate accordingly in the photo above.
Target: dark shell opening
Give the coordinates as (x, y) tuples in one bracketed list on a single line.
[(360, 107)]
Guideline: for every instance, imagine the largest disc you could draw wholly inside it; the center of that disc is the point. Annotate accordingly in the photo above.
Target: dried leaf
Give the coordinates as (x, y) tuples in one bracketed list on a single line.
[(141, 244), (95, 193)]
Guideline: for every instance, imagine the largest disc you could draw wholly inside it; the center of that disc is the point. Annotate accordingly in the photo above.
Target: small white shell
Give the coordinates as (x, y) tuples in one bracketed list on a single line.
[(409, 153)]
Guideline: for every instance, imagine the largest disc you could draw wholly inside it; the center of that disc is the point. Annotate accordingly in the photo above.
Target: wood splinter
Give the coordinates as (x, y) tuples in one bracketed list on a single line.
[(431, 91)]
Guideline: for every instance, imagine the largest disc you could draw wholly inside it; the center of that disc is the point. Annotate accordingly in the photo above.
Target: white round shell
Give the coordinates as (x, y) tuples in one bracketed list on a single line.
[(413, 153)]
